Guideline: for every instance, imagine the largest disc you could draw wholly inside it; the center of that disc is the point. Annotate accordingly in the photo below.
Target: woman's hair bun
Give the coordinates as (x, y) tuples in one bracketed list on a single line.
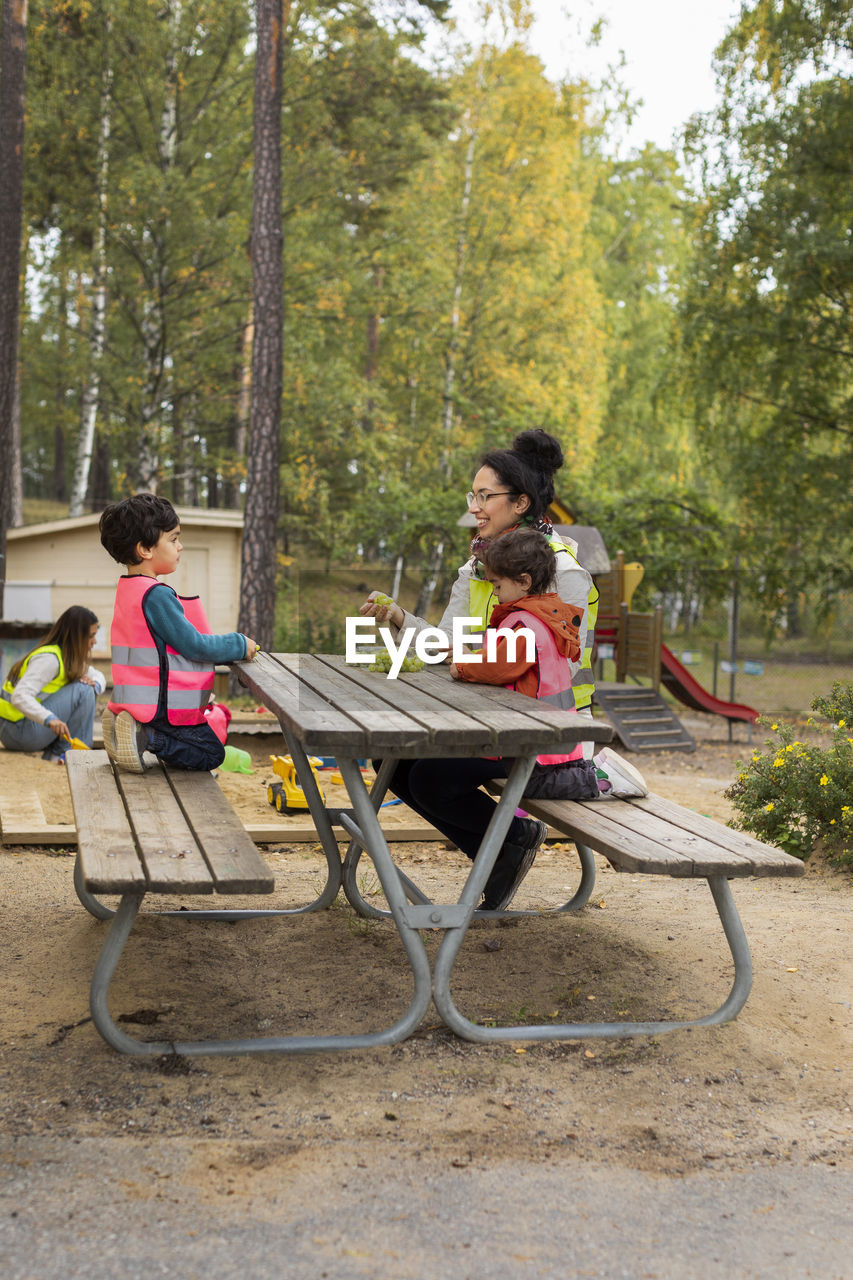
[(539, 450)]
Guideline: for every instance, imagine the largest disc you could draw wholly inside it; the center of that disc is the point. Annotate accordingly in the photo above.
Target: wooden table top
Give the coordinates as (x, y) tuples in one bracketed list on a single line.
[(334, 708)]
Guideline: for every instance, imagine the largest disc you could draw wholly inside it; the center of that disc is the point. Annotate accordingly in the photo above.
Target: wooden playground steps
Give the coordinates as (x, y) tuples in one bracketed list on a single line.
[(641, 718)]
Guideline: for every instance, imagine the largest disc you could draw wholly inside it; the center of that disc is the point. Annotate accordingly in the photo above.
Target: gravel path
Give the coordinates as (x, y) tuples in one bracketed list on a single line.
[(92, 1209)]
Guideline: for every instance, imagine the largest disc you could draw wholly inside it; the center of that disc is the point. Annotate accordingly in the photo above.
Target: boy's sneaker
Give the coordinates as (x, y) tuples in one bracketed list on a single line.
[(108, 728), (129, 741), (626, 782), (513, 863)]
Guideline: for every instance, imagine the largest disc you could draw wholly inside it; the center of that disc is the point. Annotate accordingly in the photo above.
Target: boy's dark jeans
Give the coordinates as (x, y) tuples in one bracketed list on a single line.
[(185, 746)]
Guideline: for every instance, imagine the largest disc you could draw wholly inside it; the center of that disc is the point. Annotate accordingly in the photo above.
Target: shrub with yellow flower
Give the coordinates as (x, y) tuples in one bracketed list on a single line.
[(794, 793)]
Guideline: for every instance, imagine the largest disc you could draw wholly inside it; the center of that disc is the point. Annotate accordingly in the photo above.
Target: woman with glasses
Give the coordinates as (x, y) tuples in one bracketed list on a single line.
[(512, 489)]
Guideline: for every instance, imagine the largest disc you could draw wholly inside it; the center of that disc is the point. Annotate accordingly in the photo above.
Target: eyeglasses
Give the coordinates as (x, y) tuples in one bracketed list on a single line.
[(481, 497)]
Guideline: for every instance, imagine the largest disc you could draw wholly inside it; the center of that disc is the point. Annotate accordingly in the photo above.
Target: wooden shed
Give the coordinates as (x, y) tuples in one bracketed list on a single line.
[(51, 566)]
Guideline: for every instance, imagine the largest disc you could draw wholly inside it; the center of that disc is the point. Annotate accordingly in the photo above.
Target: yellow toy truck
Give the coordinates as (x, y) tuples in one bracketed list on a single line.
[(287, 796)]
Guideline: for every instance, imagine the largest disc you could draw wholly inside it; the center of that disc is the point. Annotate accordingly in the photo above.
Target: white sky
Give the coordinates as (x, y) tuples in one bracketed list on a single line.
[(668, 45)]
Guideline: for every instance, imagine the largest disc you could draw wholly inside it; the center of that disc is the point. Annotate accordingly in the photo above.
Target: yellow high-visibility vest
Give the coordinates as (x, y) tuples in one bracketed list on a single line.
[(7, 711)]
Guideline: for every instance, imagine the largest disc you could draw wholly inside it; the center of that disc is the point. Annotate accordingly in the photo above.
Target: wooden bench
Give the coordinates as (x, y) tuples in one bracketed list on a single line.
[(165, 832), (653, 836)]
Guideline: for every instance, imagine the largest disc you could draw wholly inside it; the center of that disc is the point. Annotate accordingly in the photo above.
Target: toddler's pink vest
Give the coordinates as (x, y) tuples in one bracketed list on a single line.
[(555, 683)]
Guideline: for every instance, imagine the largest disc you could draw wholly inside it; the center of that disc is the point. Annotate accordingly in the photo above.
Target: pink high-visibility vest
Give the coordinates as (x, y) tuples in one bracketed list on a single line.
[(137, 672), (555, 682)]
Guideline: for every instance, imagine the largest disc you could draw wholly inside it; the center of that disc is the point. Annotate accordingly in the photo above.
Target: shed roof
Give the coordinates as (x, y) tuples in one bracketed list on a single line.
[(220, 517)]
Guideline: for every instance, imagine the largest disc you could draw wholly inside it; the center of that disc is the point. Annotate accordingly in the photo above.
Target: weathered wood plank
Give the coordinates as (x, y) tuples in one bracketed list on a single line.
[(22, 808), (50, 834), (626, 849), (386, 723), (657, 837), (319, 725), (447, 725), (167, 847), (515, 722), (109, 858), (765, 859), (234, 862), (708, 857), (564, 725)]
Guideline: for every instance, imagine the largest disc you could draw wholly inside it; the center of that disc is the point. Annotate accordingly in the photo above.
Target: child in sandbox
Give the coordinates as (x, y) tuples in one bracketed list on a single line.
[(163, 655)]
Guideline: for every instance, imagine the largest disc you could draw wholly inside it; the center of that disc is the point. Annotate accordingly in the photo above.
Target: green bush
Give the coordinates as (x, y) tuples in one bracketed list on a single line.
[(795, 793)]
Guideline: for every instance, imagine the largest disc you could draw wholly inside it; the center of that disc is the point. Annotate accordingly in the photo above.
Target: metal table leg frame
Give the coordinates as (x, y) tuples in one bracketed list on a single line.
[(317, 809), (580, 899), (415, 895), (109, 958), (728, 1010), (582, 893), (92, 904), (353, 855)]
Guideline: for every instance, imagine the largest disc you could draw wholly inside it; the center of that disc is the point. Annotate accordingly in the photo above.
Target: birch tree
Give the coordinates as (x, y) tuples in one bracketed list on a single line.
[(97, 324)]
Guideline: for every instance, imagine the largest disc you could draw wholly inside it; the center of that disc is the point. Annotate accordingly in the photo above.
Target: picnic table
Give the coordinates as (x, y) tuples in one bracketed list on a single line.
[(170, 832), (327, 707)]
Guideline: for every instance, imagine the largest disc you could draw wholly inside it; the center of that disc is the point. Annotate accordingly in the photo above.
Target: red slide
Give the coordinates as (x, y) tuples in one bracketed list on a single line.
[(681, 685)]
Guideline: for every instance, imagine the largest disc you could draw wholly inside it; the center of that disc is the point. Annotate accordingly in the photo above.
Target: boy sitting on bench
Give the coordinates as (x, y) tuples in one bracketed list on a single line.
[(163, 655)]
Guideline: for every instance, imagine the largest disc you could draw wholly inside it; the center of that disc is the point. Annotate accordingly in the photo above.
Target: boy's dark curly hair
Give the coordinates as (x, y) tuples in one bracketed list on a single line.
[(141, 518), (521, 551)]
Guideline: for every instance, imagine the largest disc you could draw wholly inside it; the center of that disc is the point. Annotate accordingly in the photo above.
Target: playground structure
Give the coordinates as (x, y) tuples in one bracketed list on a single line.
[(641, 717)]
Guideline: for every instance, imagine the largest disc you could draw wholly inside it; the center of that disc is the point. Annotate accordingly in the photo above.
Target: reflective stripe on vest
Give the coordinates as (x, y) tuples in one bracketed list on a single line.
[(139, 676), (555, 684), (7, 711), (481, 602)]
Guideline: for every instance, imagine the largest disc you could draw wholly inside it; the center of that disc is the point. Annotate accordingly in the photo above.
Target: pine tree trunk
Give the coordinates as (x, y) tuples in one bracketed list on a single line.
[(258, 567), (100, 488), (16, 479), (59, 481), (450, 356), (13, 48)]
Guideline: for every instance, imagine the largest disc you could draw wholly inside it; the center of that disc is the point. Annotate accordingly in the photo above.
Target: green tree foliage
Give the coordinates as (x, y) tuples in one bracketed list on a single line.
[(640, 227), (767, 318), (180, 152), (648, 494), (491, 317), (464, 256), (358, 116)]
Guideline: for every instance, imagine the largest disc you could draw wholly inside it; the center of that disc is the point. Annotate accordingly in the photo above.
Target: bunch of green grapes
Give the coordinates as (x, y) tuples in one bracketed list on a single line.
[(382, 600), (382, 662)]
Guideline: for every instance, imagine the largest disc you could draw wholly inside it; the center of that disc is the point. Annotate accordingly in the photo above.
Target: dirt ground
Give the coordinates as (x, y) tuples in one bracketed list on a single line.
[(773, 1087)]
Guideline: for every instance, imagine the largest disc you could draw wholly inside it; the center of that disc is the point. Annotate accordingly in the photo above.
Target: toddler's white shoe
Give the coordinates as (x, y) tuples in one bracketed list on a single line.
[(626, 782)]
